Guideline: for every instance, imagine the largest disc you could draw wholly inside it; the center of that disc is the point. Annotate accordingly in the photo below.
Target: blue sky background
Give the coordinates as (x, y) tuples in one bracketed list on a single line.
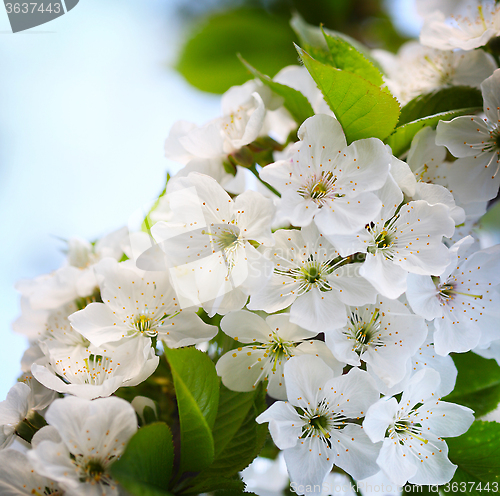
[(86, 102)]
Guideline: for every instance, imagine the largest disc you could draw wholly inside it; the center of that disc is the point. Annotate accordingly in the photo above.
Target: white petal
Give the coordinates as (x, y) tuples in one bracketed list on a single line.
[(255, 214), (305, 377), (17, 404), (285, 424), (445, 419), (358, 454), (319, 349), (386, 277), (97, 323), (308, 464), (318, 311), (378, 418), (397, 467), (244, 368), (287, 330), (422, 296), (246, 327), (491, 96)]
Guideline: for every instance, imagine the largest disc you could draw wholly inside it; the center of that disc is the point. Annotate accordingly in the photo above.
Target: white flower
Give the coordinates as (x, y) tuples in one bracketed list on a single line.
[(93, 434), (310, 276), (317, 427), (384, 336), (17, 477), (31, 323), (411, 431), (480, 23), (417, 69), (426, 357), (327, 181), (400, 241), (93, 373), (138, 303), (463, 302), (476, 142), (59, 334), (211, 246), (76, 280), (271, 343), (426, 162), (205, 149), (266, 477), (20, 405)]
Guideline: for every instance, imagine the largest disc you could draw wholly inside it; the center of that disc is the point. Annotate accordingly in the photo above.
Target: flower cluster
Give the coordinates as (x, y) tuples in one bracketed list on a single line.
[(341, 275)]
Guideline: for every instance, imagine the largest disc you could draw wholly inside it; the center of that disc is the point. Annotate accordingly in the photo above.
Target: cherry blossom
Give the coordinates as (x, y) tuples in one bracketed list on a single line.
[(411, 430), (316, 428), (92, 435), (327, 181), (270, 344)]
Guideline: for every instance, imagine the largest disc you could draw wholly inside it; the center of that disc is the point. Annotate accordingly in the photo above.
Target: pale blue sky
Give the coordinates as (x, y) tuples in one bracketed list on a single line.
[(87, 101)]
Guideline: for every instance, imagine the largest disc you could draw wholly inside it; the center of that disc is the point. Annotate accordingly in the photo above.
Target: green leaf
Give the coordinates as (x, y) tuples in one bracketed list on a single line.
[(294, 101), (443, 100), (479, 391), (312, 36), (477, 453), (363, 109), (215, 483), (145, 467), (234, 410), (208, 60), (238, 438), (400, 139), (344, 56), (197, 391)]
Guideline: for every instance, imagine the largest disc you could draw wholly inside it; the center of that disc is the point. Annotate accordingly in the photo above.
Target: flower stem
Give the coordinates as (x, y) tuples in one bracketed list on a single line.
[(255, 172)]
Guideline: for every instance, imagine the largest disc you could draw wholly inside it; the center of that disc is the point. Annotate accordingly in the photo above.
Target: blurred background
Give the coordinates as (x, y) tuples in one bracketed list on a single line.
[(88, 99)]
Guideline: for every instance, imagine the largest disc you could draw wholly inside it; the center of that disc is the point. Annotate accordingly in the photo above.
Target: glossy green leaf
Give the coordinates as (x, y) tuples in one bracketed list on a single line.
[(144, 469), (400, 140), (312, 36), (208, 60), (480, 391), (477, 453), (443, 100), (294, 101), (197, 391), (363, 109), (235, 432), (344, 56)]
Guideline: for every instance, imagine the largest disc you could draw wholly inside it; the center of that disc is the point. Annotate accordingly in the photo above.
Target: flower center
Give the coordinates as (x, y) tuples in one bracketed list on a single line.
[(365, 334), (143, 323), (320, 188), (447, 291), (382, 240), (279, 350), (403, 427), (318, 422), (92, 471), (311, 274), (227, 239), (97, 369)]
